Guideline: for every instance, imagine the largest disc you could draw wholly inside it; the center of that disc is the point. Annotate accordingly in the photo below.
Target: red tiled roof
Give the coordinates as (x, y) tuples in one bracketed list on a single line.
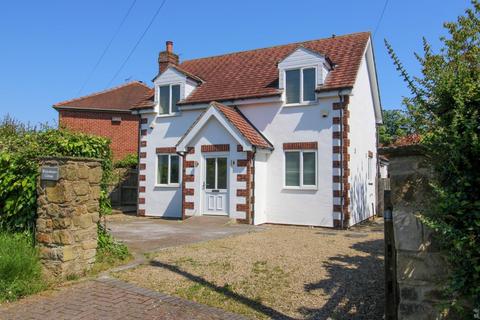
[(254, 73), (409, 140), (247, 129), (121, 98)]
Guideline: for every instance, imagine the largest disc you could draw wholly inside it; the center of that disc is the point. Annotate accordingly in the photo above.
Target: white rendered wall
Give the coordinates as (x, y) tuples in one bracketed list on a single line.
[(162, 201), (260, 195), (296, 124), (362, 140)]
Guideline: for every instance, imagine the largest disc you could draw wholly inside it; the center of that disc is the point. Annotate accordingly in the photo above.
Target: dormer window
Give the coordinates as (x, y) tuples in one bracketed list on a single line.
[(300, 85), (169, 95)]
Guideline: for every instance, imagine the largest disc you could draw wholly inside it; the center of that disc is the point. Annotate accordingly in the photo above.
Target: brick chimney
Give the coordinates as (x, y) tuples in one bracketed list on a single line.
[(167, 57)]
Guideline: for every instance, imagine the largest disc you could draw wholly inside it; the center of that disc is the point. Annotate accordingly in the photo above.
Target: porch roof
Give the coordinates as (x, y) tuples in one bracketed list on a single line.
[(236, 119)]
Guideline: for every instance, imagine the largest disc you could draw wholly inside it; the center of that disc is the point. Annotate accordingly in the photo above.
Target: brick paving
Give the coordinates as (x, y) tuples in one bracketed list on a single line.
[(107, 298)]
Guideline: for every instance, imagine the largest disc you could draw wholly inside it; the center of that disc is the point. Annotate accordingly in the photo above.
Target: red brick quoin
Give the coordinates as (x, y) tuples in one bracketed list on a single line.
[(345, 166)]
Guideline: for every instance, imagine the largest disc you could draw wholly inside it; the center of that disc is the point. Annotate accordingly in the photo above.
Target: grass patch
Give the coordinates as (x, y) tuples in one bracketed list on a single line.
[(20, 269)]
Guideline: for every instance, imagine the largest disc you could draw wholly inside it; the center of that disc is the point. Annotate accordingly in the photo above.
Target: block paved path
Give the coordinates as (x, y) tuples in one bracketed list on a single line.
[(107, 298)]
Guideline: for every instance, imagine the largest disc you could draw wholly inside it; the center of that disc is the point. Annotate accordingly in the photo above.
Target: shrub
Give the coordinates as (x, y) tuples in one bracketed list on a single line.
[(20, 270), (20, 147), (129, 161)]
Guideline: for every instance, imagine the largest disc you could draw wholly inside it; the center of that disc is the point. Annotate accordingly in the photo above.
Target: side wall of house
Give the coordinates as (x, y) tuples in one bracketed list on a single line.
[(362, 147), (294, 124), (123, 134), (160, 132)]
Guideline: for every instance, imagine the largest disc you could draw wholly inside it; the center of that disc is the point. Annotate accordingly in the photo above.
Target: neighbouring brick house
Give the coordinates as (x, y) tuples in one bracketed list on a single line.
[(285, 134), (107, 113)]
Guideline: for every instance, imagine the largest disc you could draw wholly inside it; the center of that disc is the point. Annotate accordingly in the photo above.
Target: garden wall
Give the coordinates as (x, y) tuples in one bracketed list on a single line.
[(68, 212), (421, 267)]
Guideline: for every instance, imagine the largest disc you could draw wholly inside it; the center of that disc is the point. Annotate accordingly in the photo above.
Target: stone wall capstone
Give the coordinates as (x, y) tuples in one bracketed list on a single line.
[(67, 215)]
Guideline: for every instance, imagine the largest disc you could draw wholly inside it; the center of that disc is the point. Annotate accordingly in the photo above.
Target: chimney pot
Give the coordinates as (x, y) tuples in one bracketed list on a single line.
[(169, 45)]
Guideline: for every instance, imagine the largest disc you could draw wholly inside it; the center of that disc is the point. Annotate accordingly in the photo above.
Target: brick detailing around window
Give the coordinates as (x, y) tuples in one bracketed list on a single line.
[(141, 189), (143, 143), (142, 166), (215, 148), (143, 155), (141, 177), (143, 132), (242, 192), (239, 148), (190, 164), (242, 163), (141, 212), (186, 178), (166, 150), (144, 120), (141, 200), (248, 177), (300, 146), (341, 163)]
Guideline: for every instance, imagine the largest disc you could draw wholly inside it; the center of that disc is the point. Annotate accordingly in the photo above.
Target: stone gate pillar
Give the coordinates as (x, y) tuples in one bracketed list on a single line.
[(68, 192)]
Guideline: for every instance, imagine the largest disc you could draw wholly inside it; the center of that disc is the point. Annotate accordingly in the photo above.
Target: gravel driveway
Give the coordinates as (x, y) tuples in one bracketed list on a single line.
[(281, 273)]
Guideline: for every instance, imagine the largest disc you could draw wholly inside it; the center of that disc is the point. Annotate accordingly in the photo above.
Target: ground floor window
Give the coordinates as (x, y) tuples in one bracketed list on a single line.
[(168, 169), (301, 169)]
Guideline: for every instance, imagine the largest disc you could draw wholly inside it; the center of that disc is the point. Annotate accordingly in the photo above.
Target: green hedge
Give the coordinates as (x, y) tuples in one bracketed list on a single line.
[(20, 147)]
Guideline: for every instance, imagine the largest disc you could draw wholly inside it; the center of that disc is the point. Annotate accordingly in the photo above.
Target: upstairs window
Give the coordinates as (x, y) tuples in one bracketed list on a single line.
[(169, 97), (300, 85)]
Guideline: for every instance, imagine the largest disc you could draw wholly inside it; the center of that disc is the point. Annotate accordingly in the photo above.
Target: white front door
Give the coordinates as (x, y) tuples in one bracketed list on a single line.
[(216, 185)]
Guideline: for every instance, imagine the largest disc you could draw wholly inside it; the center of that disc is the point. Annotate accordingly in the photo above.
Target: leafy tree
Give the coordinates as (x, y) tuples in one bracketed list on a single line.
[(396, 124), (445, 105)]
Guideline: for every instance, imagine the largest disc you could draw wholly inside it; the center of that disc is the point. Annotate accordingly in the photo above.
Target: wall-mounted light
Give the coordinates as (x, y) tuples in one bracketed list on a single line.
[(324, 113), (117, 119)]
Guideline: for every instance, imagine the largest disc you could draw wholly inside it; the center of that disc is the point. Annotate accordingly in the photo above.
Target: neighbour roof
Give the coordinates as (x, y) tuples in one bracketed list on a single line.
[(254, 73), (121, 98)]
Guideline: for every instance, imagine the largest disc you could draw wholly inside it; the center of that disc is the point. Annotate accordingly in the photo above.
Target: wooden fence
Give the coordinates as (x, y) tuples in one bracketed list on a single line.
[(124, 190)]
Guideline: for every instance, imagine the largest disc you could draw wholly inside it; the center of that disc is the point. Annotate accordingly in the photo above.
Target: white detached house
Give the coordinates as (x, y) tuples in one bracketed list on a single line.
[(284, 135)]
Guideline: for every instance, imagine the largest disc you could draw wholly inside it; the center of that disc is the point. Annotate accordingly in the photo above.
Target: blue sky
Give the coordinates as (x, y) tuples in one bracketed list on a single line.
[(48, 48)]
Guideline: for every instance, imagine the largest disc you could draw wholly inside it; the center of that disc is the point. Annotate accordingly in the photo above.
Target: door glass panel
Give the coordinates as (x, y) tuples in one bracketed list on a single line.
[(222, 173), (292, 169), (174, 168), (162, 174), (309, 168), (210, 174)]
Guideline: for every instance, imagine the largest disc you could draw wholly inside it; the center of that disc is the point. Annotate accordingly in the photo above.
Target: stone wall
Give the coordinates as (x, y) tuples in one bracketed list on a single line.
[(68, 212), (421, 267)]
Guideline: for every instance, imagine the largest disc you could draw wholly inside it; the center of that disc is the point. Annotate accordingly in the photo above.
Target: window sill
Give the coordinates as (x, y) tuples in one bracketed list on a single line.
[(170, 186), (166, 115), (301, 188), (301, 104)]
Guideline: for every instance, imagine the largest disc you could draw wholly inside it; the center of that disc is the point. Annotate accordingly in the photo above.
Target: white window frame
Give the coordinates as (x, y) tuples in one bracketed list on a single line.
[(301, 186), (301, 102), (169, 184), (170, 106)]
